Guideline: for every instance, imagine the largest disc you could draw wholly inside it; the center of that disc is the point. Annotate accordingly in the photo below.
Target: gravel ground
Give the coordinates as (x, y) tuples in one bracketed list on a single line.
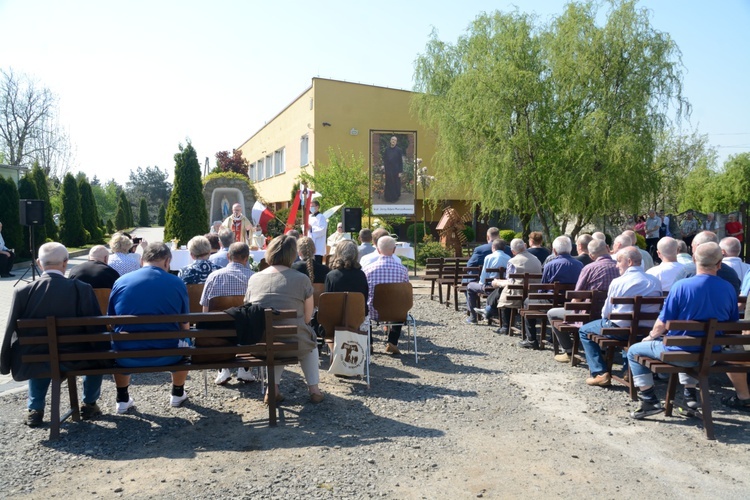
[(477, 417)]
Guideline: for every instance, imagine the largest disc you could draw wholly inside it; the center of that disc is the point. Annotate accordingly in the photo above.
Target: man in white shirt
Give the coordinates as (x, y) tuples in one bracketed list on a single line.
[(669, 271), (730, 248), (318, 228)]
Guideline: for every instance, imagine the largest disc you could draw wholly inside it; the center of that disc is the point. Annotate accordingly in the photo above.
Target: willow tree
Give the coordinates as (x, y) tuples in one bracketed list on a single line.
[(558, 121)]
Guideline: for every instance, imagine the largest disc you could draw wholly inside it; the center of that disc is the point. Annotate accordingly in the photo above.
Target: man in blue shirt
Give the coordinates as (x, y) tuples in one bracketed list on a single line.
[(700, 298), (633, 281), (562, 269), (151, 290), (482, 251), (498, 258)]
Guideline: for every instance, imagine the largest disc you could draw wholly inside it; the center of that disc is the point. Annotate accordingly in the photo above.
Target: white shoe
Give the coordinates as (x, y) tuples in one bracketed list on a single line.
[(223, 376), (245, 375), (177, 401), (124, 407)]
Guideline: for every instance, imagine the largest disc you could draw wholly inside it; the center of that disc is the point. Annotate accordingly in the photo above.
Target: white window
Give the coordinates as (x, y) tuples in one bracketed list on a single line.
[(278, 161), (261, 172), (251, 172), (269, 166), (303, 151)]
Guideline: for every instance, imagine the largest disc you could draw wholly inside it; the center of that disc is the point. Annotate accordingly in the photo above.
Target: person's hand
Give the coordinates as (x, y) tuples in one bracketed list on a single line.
[(144, 244), (399, 175), (7, 254)]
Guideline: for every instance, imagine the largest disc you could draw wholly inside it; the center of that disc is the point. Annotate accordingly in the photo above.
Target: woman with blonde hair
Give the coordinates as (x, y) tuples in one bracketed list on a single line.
[(280, 287), (307, 264), (121, 259)]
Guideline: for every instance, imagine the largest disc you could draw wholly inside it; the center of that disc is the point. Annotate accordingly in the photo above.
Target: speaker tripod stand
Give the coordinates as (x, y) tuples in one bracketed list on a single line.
[(32, 267)]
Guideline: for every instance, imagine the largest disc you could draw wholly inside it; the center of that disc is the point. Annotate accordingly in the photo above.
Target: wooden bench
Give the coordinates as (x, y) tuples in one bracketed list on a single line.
[(517, 293), (432, 274), (450, 276), (543, 297), (707, 362), (584, 306), (628, 335), (67, 348)]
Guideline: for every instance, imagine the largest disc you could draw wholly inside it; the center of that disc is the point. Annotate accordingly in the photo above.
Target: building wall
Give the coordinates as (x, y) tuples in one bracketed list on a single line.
[(349, 111)]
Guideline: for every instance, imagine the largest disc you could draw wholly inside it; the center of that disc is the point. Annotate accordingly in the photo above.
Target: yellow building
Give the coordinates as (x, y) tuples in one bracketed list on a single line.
[(332, 114)]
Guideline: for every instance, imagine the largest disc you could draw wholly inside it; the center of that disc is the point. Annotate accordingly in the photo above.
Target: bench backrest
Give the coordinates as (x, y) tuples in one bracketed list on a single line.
[(588, 305), (70, 348), (732, 336)]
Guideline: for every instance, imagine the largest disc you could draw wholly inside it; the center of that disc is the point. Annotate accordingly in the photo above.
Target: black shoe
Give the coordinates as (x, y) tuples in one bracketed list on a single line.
[(529, 344), (647, 409), (34, 418), (736, 403), (690, 396), (90, 411), (7, 275)]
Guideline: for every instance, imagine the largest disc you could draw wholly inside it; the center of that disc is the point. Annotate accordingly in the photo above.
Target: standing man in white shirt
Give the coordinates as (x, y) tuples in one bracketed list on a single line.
[(318, 228)]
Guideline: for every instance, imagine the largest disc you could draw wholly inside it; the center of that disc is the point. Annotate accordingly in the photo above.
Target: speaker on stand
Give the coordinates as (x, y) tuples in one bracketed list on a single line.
[(352, 219), (31, 213)]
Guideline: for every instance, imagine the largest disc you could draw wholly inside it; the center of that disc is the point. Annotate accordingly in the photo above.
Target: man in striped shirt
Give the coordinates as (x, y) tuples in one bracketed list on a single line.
[(230, 280), (387, 269)]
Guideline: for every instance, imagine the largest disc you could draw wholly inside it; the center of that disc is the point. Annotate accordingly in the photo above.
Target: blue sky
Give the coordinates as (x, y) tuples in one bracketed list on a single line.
[(137, 78)]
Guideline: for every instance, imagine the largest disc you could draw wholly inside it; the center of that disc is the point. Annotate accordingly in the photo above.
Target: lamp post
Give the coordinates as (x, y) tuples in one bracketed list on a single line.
[(424, 180)]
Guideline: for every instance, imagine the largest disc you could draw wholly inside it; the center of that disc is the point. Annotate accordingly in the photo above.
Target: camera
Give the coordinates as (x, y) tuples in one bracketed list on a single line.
[(137, 241)]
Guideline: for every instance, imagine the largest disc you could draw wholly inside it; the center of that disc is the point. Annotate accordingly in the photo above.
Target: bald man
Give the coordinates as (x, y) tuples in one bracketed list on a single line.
[(96, 272)]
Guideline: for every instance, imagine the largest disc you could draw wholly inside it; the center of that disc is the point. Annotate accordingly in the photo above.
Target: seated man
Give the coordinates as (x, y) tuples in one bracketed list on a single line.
[(669, 271), (633, 281), (366, 247), (197, 272), (371, 257), (595, 276), (95, 271), (498, 258), (6, 257), (387, 269), (226, 238), (699, 298), (725, 271), (521, 262), (582, 247), (730, 248), (646, 261), (230, 280), (50, 295), (561, 269), (150, 290)]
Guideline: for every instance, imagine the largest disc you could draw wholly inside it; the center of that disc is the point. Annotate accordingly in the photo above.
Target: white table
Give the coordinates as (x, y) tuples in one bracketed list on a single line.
[(182, 258)]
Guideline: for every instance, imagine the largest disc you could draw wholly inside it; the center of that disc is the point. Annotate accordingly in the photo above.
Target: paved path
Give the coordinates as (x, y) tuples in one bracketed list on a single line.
[(7, 285)]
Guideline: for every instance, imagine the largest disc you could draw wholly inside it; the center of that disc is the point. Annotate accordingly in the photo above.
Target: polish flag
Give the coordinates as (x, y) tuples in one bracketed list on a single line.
[(261, 215)]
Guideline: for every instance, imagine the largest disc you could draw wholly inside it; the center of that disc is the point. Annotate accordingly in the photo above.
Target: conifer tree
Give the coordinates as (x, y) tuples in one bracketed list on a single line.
[(12, 230), (89, 212), (40, 179), (121, 216), (71, 225), (143, 218), (187, 215), (161, 220)]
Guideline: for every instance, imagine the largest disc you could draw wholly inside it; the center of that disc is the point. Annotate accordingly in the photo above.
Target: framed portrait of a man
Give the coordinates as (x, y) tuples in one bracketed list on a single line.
[(392, 172)]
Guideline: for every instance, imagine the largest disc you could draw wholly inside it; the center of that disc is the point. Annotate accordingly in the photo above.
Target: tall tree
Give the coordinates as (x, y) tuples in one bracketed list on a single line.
[(27, 191), (122, 219), (40, 180), (24, 107), (89, 212), (556, 121), (12, 232), (162, 218), (143, 218), (107, 198), (71, 220), (732, 185), (150, 184), (234, 162), (187, 215)]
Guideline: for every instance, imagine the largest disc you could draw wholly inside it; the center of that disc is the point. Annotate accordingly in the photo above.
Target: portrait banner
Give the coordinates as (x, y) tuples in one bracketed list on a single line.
[(392, 172)]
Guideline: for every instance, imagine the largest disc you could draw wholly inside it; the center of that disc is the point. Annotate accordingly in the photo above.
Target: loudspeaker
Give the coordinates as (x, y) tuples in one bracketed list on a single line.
[(352, 219), (31, 212)]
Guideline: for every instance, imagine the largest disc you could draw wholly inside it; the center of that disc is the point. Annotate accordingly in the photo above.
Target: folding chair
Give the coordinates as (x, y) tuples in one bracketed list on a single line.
[(393, 301), (342, 309), (194, 296)]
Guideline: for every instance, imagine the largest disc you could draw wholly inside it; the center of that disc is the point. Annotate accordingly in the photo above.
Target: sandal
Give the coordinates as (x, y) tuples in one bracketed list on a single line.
[(736, 403)]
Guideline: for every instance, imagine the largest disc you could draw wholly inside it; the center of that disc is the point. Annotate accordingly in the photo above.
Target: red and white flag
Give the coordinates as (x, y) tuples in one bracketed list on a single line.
[(261, 215)]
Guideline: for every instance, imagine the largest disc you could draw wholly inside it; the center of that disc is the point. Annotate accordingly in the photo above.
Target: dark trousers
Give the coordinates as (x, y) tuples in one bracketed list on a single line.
[(394, 333), (651, 247), (6, 263)]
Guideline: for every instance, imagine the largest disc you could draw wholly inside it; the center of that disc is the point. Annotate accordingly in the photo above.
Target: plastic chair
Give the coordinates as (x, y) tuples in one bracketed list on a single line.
[(393, 301)]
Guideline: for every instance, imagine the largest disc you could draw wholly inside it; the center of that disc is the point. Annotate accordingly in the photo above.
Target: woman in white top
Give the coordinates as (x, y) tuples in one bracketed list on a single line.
[(121, 260)]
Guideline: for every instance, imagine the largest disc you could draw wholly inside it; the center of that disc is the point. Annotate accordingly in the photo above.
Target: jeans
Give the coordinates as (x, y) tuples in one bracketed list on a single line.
[(594, 355), (92, 388), (642, 376)]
